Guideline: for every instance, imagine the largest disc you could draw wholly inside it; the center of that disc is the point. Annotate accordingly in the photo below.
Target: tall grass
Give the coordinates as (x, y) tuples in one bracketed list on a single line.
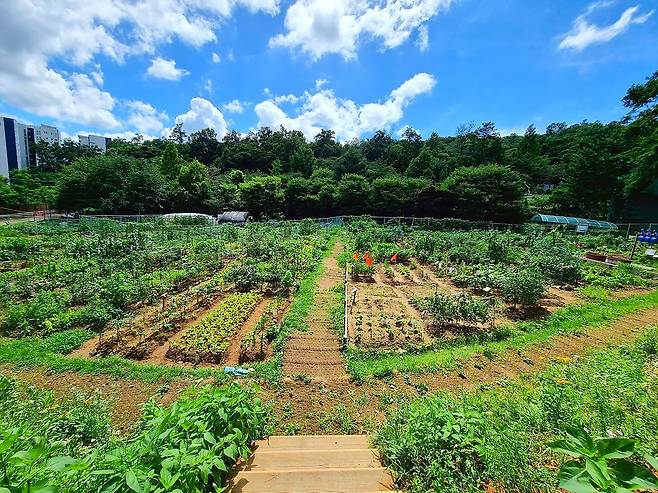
[(496, 439)]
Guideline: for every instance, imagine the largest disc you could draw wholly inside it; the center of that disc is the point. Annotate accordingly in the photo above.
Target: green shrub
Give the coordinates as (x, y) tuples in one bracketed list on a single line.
[(523, 287), (189, 446), (457, 308), (433, 446)]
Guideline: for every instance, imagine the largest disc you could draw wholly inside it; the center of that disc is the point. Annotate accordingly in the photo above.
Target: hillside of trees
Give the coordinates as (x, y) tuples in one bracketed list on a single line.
[(588, 169)]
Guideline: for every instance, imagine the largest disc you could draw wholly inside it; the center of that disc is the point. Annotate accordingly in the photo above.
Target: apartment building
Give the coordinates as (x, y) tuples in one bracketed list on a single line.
[(17, 143), (94, 141)]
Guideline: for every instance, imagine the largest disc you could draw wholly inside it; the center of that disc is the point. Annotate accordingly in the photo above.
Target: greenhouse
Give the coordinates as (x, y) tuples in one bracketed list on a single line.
[(576, 222)]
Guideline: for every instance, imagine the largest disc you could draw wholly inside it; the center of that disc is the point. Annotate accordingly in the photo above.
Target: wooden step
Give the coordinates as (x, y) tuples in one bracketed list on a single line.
[(330, 480), (313, 442), (284, 460)]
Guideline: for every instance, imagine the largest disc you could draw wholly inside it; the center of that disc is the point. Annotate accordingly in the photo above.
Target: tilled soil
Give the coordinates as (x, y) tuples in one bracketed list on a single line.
[(315, 353), (342, 407)]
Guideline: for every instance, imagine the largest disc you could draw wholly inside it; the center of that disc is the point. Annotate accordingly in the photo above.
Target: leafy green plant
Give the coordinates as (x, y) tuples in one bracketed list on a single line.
[(523, 287), (189, 446), (431, 446), (210, 338), (602, 464), (458, 308)]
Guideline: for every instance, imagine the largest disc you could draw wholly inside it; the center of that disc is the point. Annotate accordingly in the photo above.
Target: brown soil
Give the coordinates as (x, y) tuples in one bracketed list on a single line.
[(143, 332), (316, 353), (235, 349), (342, 407), (125, 396)]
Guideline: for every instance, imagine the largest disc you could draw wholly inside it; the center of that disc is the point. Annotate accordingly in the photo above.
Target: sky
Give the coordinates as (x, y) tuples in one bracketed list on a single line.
[(126, 67)]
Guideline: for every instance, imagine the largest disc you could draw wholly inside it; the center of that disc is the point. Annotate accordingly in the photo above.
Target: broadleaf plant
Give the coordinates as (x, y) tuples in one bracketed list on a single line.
[(605, 465)]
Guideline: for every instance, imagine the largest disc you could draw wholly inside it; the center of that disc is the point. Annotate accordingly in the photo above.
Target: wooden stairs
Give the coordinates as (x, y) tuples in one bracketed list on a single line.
[(312, 464)]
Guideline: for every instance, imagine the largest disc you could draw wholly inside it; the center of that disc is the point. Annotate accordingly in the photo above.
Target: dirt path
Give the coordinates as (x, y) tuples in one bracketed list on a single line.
[(316, 353), (342, 407)]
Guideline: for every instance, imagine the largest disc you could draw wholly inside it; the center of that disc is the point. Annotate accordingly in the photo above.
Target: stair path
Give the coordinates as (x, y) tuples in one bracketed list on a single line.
[(312, 464), (316, 352)]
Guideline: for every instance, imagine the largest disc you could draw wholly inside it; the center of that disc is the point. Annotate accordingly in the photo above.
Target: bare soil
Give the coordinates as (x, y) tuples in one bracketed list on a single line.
[(125, 397), (345, 407), (315, 354)]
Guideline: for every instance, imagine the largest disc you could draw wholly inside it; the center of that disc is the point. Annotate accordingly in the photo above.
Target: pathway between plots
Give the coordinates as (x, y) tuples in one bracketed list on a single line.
[(316, 353)]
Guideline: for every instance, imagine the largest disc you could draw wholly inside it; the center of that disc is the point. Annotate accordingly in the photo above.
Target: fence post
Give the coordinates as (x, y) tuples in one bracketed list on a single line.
[(346, 332)]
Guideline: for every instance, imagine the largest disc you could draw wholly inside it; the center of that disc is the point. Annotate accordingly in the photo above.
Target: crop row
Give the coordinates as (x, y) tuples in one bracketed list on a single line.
[(209, 339)]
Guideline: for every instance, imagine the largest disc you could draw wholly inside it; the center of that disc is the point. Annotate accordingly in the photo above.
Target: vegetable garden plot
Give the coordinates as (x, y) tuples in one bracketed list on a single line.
[(138, 285), (209, 340), (416, 288)]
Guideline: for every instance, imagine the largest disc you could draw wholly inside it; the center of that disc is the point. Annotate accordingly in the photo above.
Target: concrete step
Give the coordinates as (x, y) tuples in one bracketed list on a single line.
[(330, 480), (313, 442), (285, 460)]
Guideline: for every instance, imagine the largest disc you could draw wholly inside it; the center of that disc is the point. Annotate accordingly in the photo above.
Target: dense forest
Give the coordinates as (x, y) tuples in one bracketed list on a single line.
[(588, 169)]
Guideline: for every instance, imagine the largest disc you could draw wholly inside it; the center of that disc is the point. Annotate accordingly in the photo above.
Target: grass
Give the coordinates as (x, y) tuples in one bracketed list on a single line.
[(37, 353), (570, 320), (295, 319), (498, 436)]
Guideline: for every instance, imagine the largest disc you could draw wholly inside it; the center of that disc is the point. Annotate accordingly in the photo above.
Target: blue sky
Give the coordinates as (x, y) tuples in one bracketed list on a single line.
[(124, 66)]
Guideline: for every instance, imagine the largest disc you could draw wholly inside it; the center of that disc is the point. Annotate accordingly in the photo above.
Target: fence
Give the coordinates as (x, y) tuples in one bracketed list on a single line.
[(430, 223)]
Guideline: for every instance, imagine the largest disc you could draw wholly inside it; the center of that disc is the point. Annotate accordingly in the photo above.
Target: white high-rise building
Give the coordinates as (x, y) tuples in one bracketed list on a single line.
[(16, 143), (48, 133), (94, 141)]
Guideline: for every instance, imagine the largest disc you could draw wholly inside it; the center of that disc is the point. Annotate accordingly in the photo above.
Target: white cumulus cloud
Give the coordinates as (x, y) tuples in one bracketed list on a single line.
[(235, 106), (165, 69), (33, 33), (145, 118), (324, 110), (202, 114), (583, 33), (320, 27)]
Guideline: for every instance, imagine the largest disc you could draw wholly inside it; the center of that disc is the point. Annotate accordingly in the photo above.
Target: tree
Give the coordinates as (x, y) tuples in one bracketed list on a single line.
[(262, 195), (177, 134), (351, 161), (491, 192), (112, 184), (425, 165), (395, 195), (325, 146), (353, 194), (204, 146), (302, 161), (170, 162), (193, 190), (642, 102)]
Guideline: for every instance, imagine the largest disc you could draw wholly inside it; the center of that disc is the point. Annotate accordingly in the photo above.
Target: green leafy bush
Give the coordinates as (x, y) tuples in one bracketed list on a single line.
[(523, 286), (457, 308), (189, 446), (433, 446)]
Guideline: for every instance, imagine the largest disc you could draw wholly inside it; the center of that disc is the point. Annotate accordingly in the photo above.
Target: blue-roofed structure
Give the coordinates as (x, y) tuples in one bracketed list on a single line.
[(572, 221)]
